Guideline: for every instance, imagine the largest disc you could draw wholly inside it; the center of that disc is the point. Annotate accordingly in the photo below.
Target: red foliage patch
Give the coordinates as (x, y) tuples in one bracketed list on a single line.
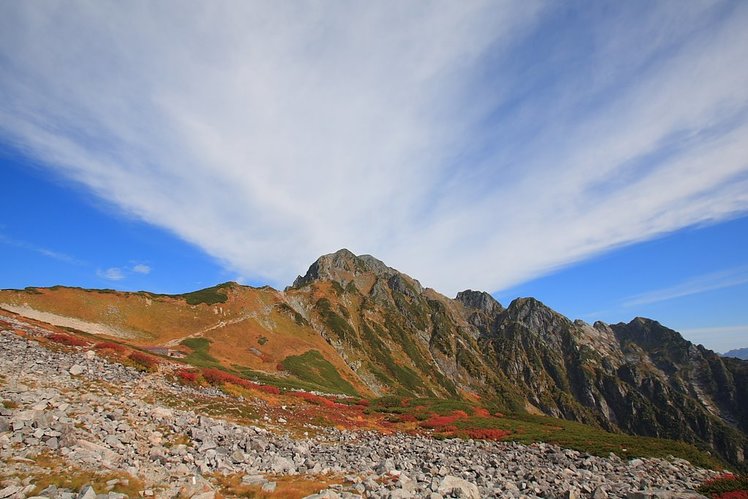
[(407, 418), (66, 339), (726, 486), (269, 389), (443, 422), (481, 412), (218, 377), (487, 433), (362, 403), (720, 478), (315, 399), (735, 494), (186, 376), (145, 360), (108, 345)]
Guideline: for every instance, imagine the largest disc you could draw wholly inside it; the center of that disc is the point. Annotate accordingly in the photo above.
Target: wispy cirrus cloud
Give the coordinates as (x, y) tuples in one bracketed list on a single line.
[(696, 285), (473, 144), (56, 255), (141, 268), (111, 274)]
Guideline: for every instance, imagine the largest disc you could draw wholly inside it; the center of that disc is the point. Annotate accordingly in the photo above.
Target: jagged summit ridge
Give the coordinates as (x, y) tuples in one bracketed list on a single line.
[(343, 266), (479, 300), (537, 316)]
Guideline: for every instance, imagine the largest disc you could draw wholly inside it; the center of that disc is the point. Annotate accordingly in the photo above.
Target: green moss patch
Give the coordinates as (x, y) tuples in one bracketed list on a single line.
[(312, 368), (199, 356)]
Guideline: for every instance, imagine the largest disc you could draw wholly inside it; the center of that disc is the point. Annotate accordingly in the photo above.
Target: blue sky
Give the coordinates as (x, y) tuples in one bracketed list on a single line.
[(591, 154)]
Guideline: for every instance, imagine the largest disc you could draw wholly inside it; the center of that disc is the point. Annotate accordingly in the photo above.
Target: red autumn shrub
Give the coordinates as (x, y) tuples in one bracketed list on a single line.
[(68, 340), (269, 389), (440, 422), (218, 377), (721, 478), (362, 403), (314, 399), (407, 418), (186, 376), (487, 433), (735, 494), (481, 412), (144, 360), (726, 486), (108, 345)]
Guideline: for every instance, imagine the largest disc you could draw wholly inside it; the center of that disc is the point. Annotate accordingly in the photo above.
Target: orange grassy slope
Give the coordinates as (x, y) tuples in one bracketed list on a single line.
[(245, 327)]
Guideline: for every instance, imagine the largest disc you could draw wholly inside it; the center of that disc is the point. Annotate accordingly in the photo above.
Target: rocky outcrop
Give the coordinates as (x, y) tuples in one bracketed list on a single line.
[(341, 267)]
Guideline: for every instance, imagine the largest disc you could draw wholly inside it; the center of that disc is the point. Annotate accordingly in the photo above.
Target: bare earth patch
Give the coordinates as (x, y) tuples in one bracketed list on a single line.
[(62, 321)]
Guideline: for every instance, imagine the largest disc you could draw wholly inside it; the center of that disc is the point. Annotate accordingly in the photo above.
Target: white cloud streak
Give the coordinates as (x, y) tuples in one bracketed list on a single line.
[(270, 133), (55, 255), (141, 268), (694, 286), (111, 274)]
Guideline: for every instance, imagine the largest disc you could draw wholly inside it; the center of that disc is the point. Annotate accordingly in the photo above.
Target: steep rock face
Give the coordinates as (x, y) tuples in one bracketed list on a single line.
[(545, 353), (481, 308), (397, 336), (691, 392), (640, 377), (480, 301)]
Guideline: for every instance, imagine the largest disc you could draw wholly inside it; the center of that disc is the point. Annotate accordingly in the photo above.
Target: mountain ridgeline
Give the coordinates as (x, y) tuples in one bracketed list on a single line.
[(354, 325), (640, 378), (738, 353)]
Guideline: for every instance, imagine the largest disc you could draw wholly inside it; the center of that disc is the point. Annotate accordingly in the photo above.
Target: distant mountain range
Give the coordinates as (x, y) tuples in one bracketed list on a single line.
[(354, 325), (738, 353)]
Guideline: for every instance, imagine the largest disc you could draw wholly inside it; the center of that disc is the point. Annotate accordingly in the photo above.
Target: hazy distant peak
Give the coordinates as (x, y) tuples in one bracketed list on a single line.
[(738, 353)]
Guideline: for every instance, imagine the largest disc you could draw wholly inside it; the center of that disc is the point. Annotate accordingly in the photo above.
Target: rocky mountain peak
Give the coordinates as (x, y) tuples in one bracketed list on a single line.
[(479, 300), (536, 315), (648, 332), (342, 266)]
